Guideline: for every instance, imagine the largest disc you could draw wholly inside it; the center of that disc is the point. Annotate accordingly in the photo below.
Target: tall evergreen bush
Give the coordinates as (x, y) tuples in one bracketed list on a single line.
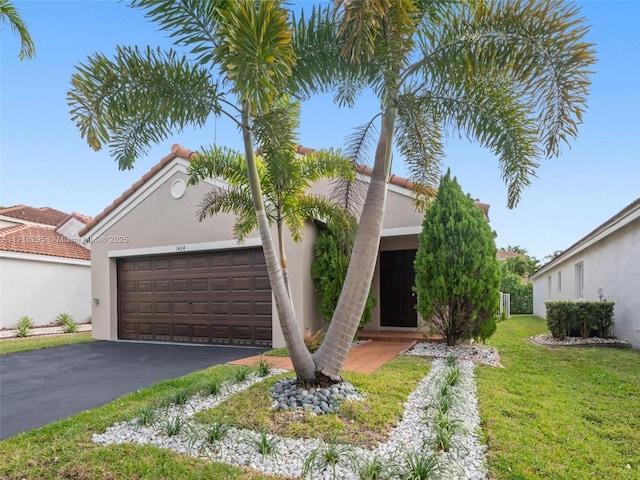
[(329, 269), (457, 272)]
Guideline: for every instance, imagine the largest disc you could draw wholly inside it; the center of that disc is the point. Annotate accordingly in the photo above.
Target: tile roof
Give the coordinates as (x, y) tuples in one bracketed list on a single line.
[(504, 254), (40, 240), (44, 215), (177, 151)]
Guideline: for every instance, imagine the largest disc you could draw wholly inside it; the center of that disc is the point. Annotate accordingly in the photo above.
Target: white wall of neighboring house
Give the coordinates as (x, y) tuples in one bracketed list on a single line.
[(610, 264), (43, 287)]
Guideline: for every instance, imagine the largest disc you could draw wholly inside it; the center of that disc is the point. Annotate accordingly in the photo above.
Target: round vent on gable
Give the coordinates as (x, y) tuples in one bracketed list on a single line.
[(178, 187)]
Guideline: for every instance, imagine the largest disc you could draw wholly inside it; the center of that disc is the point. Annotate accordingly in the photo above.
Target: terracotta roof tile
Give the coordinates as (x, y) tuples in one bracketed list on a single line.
[(181, 152), (44, 215), (504, 254), (39, 240)]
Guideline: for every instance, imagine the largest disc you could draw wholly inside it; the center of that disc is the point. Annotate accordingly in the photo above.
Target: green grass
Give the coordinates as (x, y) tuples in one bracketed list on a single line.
[(64, 450), (14, 345), (559, 413), (361, 422), (569, 413)]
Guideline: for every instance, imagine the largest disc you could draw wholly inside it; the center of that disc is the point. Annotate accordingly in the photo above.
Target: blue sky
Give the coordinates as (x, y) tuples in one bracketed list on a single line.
[(44, 162)]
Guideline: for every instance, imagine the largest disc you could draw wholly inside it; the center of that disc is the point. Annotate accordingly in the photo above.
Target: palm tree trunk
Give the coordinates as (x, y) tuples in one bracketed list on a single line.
[(332, 354), (300, 357), (283, 258)]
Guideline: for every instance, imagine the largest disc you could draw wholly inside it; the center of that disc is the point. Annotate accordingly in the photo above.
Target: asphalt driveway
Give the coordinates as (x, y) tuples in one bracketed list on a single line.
[(41, 386)]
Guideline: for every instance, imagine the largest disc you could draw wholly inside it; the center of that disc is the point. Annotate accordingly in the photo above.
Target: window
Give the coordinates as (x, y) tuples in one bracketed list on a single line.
[(579, 280), (559, 281), (549, 286)]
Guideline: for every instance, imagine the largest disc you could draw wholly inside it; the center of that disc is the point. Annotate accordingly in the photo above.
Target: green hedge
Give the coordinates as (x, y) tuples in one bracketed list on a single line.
[(579, 319), (521, 293)]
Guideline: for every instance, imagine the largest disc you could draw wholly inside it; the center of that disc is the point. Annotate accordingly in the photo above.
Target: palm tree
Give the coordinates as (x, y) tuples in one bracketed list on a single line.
[(285, 176), (513, 76), (142, 95), (9, 14)]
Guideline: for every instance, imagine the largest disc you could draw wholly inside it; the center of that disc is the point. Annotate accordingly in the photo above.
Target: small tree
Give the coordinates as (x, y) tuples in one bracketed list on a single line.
[(457, 272)]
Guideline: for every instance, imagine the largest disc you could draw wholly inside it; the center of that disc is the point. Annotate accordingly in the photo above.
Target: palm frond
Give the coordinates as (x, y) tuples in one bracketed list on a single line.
[(137, 99), (191, 23), (320, 67), (254, 53), (539, 46), (9, 14), (276, 129), (230, 200), (490, 112), (326, 164), (218, 162), (419, 136)]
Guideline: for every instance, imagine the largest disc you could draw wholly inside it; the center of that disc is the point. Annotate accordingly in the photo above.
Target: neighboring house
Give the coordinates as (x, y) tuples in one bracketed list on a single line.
[(158, 274), (44, 268), (604, 265)]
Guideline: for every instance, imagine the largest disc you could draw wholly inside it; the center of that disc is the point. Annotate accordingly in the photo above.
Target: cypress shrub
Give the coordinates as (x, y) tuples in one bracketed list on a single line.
[(457, 272)]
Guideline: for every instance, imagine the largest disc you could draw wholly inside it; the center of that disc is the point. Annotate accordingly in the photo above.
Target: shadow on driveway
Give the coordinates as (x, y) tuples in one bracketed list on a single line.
[(41, 386)]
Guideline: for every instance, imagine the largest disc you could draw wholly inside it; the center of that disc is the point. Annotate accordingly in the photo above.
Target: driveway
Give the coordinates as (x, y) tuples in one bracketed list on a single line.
[(41, 386)]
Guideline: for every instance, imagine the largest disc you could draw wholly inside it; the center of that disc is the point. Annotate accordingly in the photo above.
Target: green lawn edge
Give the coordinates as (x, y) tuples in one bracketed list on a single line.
[(24, 344)]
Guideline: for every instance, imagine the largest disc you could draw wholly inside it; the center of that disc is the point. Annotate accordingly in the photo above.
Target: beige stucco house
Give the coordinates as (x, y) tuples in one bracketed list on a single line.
[(158, 274), (44, 268), (605, 264)]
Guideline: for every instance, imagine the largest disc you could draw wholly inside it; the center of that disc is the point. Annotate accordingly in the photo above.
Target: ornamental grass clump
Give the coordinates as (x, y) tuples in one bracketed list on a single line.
[(67, 323), (328, 455), (24, 326)]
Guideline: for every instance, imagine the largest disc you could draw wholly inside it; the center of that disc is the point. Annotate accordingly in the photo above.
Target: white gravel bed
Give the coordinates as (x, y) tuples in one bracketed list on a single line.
[(548, 339), (473, 353), (464, 461)]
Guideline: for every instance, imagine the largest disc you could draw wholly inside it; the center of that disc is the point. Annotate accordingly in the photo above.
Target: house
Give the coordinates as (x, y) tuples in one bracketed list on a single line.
[(603, 265), (158, 274), (44, 268)]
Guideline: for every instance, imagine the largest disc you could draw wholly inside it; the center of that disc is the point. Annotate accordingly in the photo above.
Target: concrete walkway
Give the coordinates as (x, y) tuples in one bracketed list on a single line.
[(363, 358)]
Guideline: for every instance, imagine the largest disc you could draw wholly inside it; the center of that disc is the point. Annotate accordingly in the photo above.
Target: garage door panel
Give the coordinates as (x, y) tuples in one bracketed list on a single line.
[(221, 297)]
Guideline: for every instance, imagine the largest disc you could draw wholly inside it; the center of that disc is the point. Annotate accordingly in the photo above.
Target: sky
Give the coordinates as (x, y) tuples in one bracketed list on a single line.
[(45, 163)]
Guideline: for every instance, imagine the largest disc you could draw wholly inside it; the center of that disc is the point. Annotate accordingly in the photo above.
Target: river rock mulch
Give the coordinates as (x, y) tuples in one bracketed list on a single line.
[(549, 340), (465, 460)]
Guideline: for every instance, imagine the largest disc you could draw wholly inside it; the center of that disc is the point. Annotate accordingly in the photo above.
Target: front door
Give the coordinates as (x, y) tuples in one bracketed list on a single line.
[(397, 300)]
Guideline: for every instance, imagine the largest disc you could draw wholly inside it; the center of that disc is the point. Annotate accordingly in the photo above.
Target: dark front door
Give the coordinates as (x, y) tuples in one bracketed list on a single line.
[(397, 300)]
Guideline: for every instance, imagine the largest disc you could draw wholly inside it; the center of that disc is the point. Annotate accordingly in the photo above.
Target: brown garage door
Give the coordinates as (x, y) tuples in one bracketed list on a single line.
[(219, 297)]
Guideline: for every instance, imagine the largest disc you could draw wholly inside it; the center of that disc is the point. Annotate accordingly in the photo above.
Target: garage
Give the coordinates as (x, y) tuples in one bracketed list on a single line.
[(218, 297)]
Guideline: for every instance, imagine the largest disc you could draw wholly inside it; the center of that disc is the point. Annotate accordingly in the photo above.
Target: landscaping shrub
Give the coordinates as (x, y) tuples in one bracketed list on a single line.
[(579, 319), (67, 323), (24, 326), (521, 293), (457, 272), (329, 269)]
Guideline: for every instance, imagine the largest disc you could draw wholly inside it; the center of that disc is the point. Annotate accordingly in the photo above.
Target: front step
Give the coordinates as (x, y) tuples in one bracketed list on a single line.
[(399, 336)]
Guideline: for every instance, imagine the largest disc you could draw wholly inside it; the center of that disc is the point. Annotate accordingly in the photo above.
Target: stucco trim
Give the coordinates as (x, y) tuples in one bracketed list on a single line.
[(188, 247), (401, 231), (44, 258)]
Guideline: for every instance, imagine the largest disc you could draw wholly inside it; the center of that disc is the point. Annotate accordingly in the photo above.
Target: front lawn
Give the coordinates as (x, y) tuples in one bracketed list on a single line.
[(567, 413), (560, 413), (13, 345)]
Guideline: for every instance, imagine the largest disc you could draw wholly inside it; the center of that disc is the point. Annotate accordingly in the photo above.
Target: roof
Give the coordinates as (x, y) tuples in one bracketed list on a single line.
[(612, 224), (43, 215), (504, 254), (177, 151), (40, 240)]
